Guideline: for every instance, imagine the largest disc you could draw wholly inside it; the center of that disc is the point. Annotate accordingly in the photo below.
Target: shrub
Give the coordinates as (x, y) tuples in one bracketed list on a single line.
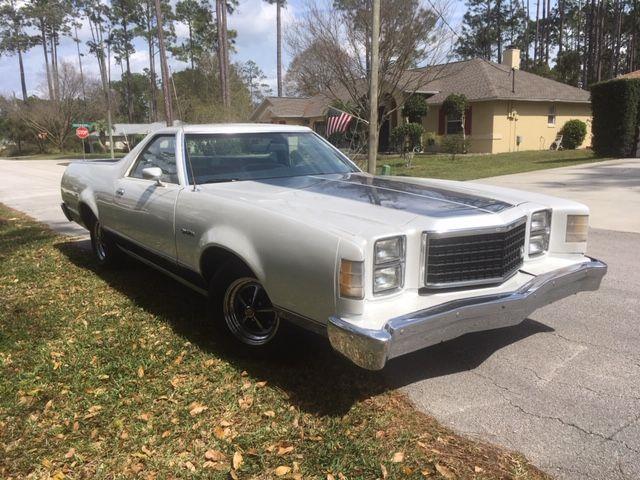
[(407, 137), (455, 104), (573, 133), (454, 145), (616, 111), (415, 108)]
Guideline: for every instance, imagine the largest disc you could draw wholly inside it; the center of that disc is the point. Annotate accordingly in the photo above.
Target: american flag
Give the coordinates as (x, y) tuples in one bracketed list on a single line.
[(337, 121)]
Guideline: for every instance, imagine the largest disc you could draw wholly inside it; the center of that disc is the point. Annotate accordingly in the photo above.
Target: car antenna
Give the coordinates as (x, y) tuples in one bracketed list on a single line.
[(186, 152)]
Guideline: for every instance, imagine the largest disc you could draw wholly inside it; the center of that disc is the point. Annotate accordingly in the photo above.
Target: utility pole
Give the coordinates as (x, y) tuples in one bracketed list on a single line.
[(373, 87), (168, 107)]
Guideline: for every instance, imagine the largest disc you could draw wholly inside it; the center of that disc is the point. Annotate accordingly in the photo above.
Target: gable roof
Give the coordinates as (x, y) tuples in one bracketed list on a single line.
[(478, 79), (481, 80)]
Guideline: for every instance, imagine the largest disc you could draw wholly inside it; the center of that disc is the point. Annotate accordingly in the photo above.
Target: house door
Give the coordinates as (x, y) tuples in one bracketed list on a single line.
[(385, 132)]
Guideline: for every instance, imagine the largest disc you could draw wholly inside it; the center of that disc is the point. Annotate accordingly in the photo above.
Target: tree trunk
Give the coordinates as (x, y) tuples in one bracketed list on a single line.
[(84, 94), (23, 82), (221, 17), (168, 107), (561, 26), (190, 44), (548, 32), (279, 44), (153, 110), (499, 29), (537, 37), (54, 63), (128, 82), (43, 36)]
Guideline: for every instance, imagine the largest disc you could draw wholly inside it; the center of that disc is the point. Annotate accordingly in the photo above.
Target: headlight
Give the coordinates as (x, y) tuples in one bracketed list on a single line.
[(351, 279), (389, 250), (388, 272), (577, 228), (539, 230)]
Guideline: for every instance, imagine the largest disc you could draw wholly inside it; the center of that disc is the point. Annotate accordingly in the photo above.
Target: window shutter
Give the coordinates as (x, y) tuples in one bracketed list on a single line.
[(441, 121), (467, 121)]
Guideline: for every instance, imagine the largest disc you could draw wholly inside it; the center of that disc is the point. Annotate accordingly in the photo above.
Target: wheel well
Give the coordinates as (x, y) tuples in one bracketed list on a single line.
[(86, 215), (215, 258)]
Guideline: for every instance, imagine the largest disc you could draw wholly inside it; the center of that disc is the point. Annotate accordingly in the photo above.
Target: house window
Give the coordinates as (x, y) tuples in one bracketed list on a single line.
[(454, 124), (551, 116)]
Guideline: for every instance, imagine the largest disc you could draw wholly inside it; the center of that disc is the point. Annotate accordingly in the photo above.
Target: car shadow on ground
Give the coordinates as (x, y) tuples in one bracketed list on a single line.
[(316, 379)]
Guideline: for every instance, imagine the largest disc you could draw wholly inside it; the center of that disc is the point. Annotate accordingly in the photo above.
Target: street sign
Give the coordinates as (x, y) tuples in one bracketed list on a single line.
[(76, 125), (82, 132)]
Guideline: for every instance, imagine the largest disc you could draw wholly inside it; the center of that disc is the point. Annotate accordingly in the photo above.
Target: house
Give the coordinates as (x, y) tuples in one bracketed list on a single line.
[(509, 109)]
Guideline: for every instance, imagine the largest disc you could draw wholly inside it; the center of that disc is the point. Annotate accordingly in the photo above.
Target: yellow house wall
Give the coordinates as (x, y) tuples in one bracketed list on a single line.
[(531, 124), (481, 137)]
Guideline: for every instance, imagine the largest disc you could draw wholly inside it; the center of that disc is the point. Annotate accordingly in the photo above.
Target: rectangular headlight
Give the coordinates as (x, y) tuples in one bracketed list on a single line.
[(539, 232), (389, 250), (387, 278), (351, 279), (577, 228)]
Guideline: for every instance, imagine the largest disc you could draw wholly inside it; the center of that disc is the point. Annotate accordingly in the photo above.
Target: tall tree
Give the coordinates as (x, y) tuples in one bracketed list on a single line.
[(164, 67), (279, 5), (202, 30), (13, 38), (223, 53), (255, 78), (123, 14)]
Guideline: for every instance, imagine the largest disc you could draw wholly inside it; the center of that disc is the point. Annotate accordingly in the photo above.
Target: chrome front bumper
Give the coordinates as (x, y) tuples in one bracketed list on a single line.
[(371, 349)]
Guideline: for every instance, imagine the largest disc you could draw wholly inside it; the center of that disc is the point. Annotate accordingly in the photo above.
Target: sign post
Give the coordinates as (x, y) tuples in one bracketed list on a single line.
[(82, 132)]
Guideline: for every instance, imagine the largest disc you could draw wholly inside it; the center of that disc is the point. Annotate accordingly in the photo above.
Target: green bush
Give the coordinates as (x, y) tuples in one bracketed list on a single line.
[(415, 108), (454, 145), (407, 137), (616, 114), (573, 133)]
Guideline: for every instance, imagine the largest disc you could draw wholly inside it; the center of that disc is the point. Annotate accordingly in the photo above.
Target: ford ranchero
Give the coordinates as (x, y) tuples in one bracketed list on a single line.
[(278, 227)]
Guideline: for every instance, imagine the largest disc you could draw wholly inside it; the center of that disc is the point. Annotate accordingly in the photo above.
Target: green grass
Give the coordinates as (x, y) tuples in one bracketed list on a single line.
[(469, 167), (63, 156), (114, 374)]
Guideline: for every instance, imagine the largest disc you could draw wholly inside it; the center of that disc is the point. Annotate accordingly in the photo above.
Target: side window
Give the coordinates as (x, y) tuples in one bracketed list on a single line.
[(161, 152)]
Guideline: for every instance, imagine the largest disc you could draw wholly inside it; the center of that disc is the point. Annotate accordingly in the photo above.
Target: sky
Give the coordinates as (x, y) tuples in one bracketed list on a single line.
[(254, 20)]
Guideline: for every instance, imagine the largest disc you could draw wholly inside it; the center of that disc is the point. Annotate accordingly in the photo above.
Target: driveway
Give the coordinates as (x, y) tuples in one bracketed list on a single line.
[(33, 187), (563, 387)]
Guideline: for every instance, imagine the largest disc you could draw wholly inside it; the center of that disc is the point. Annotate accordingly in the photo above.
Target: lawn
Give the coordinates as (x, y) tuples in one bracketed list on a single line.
[(113, 374), (468, 167), (64, 156)]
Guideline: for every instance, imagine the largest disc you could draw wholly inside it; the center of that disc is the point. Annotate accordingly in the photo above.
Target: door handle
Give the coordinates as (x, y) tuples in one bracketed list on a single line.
[(120, 192)]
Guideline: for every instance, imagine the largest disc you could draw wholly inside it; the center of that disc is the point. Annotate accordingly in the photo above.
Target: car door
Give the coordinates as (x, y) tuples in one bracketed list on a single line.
[(144, 209)]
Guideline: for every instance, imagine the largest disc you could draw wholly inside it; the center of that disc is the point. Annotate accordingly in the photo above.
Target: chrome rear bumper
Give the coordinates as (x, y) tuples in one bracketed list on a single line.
[(371, 349)]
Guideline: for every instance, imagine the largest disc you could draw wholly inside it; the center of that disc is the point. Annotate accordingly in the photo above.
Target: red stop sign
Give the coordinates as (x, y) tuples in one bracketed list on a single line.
[(82, 132)]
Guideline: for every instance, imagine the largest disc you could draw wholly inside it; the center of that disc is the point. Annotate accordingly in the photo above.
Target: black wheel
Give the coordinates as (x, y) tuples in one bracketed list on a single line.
[(241, 310), (105, 250)]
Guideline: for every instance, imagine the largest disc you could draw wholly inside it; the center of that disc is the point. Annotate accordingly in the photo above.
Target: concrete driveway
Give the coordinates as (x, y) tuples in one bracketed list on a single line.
[(563, 387)]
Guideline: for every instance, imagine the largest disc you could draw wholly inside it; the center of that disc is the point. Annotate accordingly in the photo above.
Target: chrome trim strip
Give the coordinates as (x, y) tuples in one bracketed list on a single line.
[(371, 349), (476, 231), (140, 258)]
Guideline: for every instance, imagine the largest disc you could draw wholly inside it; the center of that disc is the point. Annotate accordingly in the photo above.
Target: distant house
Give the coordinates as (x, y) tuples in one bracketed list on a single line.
[(509, 109)]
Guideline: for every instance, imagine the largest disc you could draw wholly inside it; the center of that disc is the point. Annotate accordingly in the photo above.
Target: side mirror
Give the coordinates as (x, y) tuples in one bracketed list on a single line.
[(152, 173)]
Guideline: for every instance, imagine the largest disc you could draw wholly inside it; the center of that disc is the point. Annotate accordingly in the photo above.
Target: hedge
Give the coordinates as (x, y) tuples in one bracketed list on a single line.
[(616, 115)]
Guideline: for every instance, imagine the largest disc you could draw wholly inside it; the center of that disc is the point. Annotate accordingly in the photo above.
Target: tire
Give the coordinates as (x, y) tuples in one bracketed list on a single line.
[(241, 312), (105, 250)]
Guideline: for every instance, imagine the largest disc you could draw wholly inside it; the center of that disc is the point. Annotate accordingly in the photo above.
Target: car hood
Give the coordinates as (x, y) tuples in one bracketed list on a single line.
[(355, 199)]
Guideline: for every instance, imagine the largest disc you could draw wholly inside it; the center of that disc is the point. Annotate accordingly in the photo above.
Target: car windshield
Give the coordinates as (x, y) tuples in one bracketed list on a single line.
[(254, 156)]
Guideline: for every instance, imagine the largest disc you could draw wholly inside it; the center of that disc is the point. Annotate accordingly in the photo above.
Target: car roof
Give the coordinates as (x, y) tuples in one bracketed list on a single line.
[(235, 128)]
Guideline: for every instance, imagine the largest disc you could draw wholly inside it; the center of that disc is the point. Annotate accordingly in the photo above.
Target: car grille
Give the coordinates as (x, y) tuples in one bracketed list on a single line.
[(469, 258)]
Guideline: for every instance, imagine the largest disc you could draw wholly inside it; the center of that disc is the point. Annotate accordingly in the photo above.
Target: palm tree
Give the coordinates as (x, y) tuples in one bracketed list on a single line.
[(223, 53), (279, 5)]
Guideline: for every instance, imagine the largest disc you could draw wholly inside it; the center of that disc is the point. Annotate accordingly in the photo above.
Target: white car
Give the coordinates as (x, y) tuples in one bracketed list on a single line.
[(278, 227)]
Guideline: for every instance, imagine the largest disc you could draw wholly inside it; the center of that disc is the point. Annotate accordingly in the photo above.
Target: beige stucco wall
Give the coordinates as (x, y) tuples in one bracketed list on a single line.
[(493, 132), (531, 124), (481, 137)]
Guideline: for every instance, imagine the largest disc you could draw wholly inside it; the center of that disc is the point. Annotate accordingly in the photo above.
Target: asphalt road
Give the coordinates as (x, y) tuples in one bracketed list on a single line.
[(563, 387)]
